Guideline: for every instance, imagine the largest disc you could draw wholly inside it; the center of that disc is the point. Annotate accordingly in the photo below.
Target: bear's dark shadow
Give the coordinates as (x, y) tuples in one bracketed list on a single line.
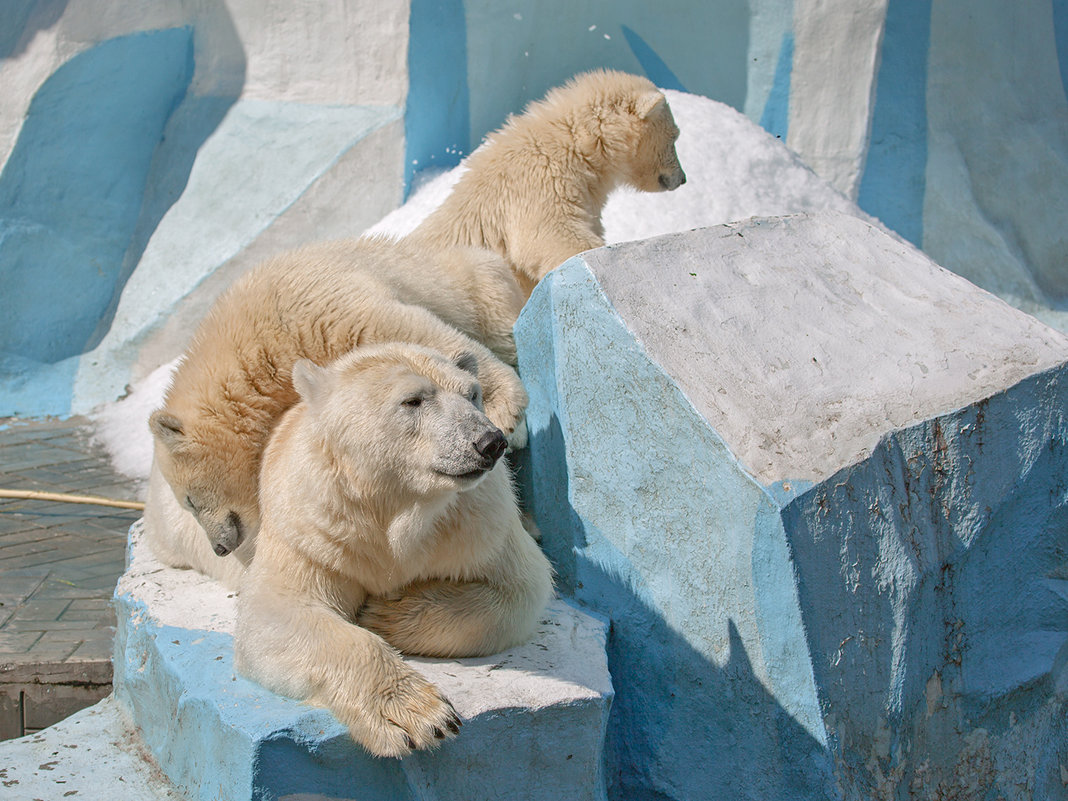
[(681, 726)]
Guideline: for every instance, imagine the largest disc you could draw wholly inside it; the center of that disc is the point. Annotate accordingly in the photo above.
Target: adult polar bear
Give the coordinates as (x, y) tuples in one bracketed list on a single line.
[(388, 521), (234, 382), (534, 191)]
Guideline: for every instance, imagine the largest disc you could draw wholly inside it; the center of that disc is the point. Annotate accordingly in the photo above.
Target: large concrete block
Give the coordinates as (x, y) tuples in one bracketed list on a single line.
[(820, 486), (534, 716)]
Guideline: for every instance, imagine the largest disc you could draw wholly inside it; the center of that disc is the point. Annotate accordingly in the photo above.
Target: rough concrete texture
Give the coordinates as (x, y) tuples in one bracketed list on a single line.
[(95, 753), (785, 302), (534, 716), (819, 486)]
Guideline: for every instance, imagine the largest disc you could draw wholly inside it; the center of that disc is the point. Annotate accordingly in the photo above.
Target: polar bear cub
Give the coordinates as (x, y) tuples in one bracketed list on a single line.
[(388, 524), (534, 191)]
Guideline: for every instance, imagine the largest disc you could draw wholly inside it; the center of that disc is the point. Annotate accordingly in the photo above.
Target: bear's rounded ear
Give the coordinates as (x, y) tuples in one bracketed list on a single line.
[(167, 429), (468, 362), (647, 103), (308, 379)]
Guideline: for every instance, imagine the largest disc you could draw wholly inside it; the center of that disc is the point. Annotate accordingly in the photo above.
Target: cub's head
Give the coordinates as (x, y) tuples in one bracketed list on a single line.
[(655, 166), (402, 418), (213, 475), (622, 122)]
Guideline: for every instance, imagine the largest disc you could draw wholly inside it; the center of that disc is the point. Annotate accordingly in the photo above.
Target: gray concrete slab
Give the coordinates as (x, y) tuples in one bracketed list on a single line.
[(93, 754)]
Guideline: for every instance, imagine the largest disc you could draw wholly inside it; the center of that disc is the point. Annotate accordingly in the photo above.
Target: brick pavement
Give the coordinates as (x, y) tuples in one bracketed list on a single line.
[(58, 566)]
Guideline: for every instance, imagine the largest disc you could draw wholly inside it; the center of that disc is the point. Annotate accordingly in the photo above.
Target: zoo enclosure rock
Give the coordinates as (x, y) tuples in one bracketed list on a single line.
[(818, 483)]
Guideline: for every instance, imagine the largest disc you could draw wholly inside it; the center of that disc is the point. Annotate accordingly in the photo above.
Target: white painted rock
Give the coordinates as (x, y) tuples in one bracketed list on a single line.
[(94, 753)]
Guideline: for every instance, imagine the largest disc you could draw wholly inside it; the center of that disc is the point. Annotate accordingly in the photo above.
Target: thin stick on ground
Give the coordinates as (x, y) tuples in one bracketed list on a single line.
[(34, 495)]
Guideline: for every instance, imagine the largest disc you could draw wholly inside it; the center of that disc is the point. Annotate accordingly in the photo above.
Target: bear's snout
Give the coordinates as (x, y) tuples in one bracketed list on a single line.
[(228, 536), (491, 445), (674, 180)]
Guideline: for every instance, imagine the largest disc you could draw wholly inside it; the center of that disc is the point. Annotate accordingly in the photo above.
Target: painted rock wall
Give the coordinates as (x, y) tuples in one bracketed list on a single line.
[(819, 486), (947, 121), (152, 153)]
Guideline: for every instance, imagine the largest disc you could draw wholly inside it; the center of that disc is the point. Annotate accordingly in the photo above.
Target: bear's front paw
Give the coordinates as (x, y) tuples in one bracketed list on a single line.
[(505, 401), (409, 715)]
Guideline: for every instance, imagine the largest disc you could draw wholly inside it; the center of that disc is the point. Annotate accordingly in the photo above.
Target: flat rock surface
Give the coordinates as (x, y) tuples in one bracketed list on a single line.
[(797, 398), (93, 754)]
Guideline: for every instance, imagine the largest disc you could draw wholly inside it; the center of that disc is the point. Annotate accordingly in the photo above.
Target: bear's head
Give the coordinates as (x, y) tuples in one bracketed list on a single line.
[(402, 419), (213, 472), (655, 164), (622, 125)]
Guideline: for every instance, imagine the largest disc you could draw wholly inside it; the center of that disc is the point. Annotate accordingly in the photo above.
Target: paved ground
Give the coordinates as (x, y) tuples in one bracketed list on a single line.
[(93, 754), (58, 566)]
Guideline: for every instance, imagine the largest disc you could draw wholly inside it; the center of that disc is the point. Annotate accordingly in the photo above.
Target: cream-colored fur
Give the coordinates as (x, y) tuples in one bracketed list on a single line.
[(534, 191), (176, 538), (386, 526), (234, 381)]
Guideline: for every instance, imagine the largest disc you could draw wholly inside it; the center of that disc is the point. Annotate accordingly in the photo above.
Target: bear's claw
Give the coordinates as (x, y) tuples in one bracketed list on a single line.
[(414, 716)]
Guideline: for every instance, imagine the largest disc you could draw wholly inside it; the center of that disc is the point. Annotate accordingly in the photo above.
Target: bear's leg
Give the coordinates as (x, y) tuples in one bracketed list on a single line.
[(445, 618), (535, 256), (493, 294), (306, 650)]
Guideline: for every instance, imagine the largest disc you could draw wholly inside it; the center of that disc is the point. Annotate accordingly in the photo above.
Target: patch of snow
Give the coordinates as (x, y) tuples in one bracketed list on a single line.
[(122, 427)]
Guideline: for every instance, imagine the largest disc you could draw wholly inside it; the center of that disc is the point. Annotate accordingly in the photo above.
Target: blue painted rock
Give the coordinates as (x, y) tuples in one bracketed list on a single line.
[(820, 486)]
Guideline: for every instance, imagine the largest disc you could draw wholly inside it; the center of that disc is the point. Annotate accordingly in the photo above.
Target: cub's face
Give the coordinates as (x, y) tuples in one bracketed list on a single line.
[(656, 165), (212, 475), (404, 418)]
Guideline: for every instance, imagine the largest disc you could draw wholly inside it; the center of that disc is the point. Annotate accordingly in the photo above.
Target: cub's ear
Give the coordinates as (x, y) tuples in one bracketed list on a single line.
[(647, 103), (467, 362), (167, 429), (309, 379)]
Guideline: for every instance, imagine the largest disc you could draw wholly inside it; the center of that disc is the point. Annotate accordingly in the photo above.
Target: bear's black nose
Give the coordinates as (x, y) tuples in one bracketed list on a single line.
[(491, 445)]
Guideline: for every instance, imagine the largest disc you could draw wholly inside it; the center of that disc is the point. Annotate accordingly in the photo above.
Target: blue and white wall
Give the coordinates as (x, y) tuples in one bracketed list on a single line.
[(949, 121), (150, 155)]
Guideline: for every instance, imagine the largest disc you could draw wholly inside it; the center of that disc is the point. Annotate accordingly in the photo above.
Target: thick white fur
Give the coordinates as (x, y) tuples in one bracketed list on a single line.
[(534, 191), (234, 382), (365, 548)]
